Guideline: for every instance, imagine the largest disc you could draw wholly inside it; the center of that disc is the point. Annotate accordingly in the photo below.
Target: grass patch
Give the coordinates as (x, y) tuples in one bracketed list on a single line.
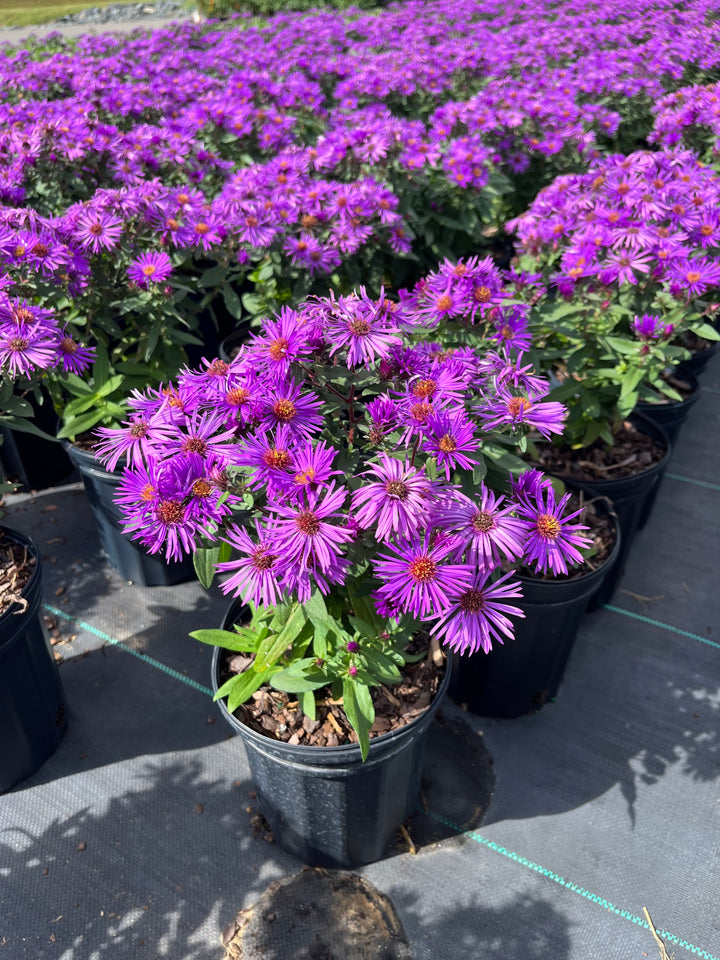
[(25, 13)]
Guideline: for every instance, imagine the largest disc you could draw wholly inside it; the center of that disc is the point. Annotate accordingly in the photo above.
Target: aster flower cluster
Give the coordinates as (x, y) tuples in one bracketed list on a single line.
[(149, 177), (648, 220), (33, 344), (689, 118), (336, 465)]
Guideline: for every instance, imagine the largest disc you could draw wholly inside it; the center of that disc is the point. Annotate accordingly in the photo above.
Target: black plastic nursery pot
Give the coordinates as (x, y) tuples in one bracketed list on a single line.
[(233, 341), (324, 805), (523, 674), (700, 358), (671, 415), (632, 499), (33, 461), (32, 702), (125, 556)]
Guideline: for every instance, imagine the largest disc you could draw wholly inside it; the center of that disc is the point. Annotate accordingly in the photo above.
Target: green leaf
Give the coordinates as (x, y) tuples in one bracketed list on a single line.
[(228, 640), (101, 367), (111, 385), (624, 347), (204, 560), (232, 301), (706, 331), (213, 277), (240, 688), (381, 666), (307, 703), (276, 644), (77, 387), (315, 608), (79, 425), (360, 711), (79, 405), (26, 426), (291, 682)]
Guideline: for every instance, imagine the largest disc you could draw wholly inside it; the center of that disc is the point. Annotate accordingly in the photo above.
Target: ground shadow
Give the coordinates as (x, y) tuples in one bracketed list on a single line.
[(627, 721), (523, 929), (155, 872)]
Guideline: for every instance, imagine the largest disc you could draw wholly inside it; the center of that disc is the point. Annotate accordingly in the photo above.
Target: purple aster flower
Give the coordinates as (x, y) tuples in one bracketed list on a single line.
[(399, 502), (283, 340), (553, 541), (480, 614), (151, 267), (529, 484), (383, 413), (695, 276), (25, 347), (165, 521), (363, 327), (508, 409), (416, 580), (651, 327), (511, 327), (286, 406), (137, 440), (303, 535), (99, 231), (484, 527), (254, 575), (312, 469), (271, 457), (202, 434), (449, 437), (73, 357)]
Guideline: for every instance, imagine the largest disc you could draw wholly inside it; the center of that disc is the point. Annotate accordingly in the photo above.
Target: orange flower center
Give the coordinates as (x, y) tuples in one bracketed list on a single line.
[(307, 523), (483, 521), (518, 406), (284, 410), (424, 389), (201, 488), (397, 489), (276, 459), (171, 511), (548, 526), (422, 569), (278, 348)]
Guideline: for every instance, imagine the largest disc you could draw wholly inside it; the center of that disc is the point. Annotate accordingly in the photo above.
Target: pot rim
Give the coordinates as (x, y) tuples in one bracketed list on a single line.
[(376, 743)]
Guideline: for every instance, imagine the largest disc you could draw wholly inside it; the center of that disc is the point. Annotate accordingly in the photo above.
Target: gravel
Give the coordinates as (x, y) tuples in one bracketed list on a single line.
[(124, 12)]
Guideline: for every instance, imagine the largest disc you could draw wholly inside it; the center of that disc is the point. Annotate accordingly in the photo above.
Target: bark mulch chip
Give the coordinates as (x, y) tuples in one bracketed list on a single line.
[(631, 453), (16, 567)]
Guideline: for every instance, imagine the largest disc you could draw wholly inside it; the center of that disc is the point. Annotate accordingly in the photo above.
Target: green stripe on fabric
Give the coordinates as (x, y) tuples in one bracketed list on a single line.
[(663, 626), (136, 653), (573, 887), (697, 483)]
